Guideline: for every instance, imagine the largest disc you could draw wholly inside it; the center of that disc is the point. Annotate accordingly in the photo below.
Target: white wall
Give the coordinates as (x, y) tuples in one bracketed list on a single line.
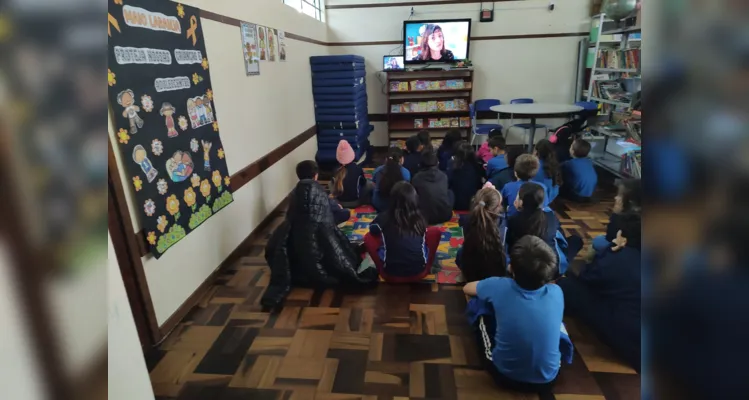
[(127, 372), (543, 69), (256, 114)]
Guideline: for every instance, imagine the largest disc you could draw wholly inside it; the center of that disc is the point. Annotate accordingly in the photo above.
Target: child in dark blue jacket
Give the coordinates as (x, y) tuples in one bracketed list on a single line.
[(349, 185), (579, 175), (308, 169), (628, 200), (413, 154), (447, 148), (605, 295), (498, 161), (464, 175), (387, 175)]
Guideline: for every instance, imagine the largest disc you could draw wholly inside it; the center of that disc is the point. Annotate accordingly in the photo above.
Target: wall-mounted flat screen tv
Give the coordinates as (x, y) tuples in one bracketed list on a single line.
[(433, 41)]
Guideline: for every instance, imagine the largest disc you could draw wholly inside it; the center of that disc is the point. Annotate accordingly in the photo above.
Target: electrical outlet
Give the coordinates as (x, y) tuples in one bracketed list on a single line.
[(551, 5)]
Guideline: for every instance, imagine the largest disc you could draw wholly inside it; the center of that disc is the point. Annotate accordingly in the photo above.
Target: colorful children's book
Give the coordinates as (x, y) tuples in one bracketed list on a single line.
[(395, 108), (418, 123), (433, 122), (404, 108), (422, 106), (434, 85), (454, 122), (421, 85), (460, 104), (451, 84), (465, 122), (403, 86), (431, 106), (443, 85), (440, 106), (414, 107), (413, 85), (445, 122), (394, 86), (449, 105)]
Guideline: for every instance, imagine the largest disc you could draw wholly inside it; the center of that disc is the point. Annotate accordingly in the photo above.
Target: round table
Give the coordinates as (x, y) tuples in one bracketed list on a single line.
[(532, 110)]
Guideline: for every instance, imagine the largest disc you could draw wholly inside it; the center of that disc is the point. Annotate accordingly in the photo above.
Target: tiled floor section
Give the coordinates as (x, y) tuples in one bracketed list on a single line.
[(392, 342)]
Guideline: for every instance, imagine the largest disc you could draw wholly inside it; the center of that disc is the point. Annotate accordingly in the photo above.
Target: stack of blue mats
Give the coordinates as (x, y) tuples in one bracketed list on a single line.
[(339, 90)]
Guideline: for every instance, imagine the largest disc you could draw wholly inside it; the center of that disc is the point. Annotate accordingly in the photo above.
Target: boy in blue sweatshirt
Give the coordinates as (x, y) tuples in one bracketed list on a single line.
[(497, 162), (526, 167), (308, 169), (578, 174), (605, 294)]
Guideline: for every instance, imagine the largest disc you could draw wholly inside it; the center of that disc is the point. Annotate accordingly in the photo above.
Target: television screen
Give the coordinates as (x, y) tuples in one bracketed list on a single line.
[(392, 63), (436, 40)]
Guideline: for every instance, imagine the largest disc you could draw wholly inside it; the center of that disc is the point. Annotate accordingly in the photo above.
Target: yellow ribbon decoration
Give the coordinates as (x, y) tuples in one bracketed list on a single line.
[(113, 22), (191, 31)]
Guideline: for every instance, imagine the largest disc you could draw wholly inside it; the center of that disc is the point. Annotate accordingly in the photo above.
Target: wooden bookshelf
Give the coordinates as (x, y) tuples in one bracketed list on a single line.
[(401, 124)]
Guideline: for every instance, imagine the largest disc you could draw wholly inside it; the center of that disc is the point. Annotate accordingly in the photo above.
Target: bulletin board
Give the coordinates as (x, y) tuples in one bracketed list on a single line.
[(165, 121)]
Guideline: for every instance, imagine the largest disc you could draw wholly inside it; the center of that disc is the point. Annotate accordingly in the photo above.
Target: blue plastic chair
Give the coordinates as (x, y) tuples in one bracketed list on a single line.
[(588, 108), (482, 129)]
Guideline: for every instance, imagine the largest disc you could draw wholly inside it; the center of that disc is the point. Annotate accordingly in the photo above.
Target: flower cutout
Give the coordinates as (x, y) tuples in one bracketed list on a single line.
[(146, 102), (172, 204), (189, 197), (216, 178), (137, 183), (196, 78), (215, 126), (227, 181), (124, 137), (111, 78), (161, 186), (182, 121), (204, 63), (194, 146), (205, 188), (151, 238), (149, 207), (161, 223), (220, 153), (180, 10), (157, 147), (195, 180), (209, 94)]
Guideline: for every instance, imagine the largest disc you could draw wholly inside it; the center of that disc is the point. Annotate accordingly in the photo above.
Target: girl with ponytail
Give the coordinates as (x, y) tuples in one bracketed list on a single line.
[(549, 172), (531, 218), (349, 186), (482, 255), (386, 176)]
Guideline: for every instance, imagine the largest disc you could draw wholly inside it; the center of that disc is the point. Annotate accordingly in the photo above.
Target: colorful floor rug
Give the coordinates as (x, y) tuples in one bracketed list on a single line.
[(444, 270)]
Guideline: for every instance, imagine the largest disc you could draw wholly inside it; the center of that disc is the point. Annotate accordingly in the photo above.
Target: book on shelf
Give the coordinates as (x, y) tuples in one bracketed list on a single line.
[(422, 106), (460, 104), (395, 108), (418, 123), (433, 85), (619, 59), (421, 85), (394, 85), (454, 122), (611, 90), (403, 86), (465, 122), (449, 105), (440, 106), (443, 85), (431, 106), (445, 122), (433, 122)]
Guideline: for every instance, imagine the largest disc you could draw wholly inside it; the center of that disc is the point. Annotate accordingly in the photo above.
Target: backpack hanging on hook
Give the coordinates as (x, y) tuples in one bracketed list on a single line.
[(486, 15)]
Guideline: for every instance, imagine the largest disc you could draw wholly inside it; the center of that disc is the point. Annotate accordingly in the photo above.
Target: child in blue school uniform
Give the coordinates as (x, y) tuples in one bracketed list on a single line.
[(349, 185), (579, 175), (413, 154), (447, 149), (605, 295), (498, 161), (464, 175), (308, 169), (482, 255), (526, 167), (507, 174), (386, 176), (523, 355), (549, 173)]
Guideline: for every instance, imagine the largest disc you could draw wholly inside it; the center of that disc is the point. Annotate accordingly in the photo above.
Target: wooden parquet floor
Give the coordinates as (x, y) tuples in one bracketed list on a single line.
[(391, 342)]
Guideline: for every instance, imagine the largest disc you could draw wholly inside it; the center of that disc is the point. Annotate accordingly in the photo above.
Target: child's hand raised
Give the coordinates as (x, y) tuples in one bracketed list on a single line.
[(619, 241)]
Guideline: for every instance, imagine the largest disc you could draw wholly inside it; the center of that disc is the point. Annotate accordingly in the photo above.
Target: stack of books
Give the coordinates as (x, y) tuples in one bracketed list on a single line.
[(430, 106), (611, 90), (620, 59)]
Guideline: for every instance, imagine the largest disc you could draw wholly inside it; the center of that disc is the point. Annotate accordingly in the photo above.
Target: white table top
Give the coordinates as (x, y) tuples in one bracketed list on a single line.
[(536, 108)]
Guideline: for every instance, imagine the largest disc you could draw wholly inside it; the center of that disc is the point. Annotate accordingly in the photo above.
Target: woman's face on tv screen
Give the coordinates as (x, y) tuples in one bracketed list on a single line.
[(436, 40)]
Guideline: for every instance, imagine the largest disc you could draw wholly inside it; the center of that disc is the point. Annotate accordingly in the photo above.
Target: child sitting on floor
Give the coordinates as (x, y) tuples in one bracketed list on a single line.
[(628, 200), (402, 230), (447, 149), (464, 175), (413, 154), (349, 185), (526, 167), (549, 172), (482, 255), (507, 174), (425, 139), (385, 176), (605, 295), (485, 152), (498, 161), (308, 170), (524, 354), (579, 175), (531, 218), (435, 198)]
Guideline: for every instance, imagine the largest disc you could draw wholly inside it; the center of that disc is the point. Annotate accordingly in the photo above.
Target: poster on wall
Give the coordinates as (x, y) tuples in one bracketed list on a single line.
[(281, 46), (262, 41), (272, 42), (165, 119), (249, 48)]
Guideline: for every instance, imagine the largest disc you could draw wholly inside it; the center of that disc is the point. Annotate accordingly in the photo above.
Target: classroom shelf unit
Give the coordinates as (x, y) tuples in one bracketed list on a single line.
[(413, 100)]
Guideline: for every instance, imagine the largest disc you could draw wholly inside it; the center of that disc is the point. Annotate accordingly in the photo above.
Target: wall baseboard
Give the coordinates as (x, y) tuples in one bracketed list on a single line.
[(233, 257)]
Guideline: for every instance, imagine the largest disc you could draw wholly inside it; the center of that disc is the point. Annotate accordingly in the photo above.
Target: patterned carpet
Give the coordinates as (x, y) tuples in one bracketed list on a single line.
[(390, 342)]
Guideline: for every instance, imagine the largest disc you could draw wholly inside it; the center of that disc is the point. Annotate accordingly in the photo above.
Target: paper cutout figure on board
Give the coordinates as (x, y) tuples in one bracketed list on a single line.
[(167, 111), (206, 155), (271, 45), (200, 111), (261, 38), (141, 158), (126, 99), (179, 166)]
